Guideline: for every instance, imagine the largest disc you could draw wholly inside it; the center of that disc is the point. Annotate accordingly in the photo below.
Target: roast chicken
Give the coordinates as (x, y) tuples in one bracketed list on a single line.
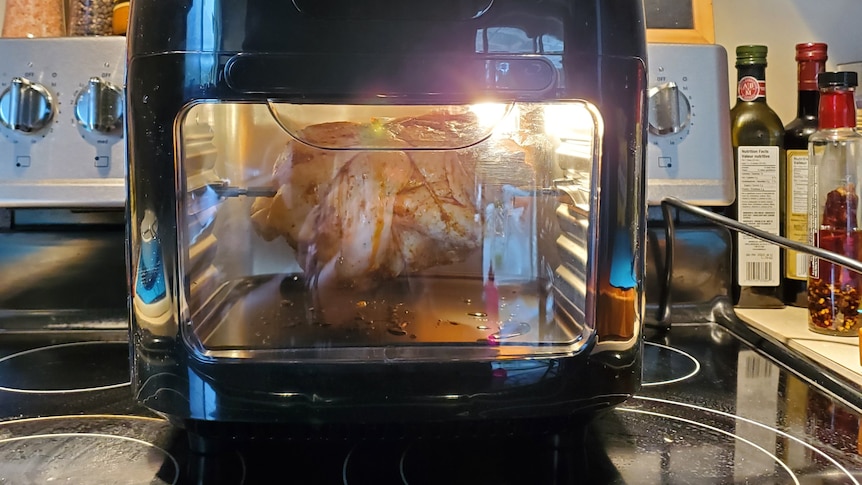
[(358, 217)]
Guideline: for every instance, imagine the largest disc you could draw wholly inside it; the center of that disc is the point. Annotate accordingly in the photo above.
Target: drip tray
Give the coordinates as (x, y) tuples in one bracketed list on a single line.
[(280, 312)]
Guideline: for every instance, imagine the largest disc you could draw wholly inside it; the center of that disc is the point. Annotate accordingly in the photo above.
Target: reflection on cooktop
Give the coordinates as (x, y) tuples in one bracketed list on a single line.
[(676, 436), (649, 441), (86, 450), (65, 368)]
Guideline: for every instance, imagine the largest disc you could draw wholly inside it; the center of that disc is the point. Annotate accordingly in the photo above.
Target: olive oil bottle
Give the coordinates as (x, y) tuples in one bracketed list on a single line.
[(757, 135)]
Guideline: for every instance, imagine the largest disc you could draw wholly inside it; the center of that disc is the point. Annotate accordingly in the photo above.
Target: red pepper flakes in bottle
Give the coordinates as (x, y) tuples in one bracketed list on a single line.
[(835, 157)]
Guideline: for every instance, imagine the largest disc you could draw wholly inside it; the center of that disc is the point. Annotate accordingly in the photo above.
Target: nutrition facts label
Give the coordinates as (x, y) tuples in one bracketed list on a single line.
[(796, 218), (758, 206)]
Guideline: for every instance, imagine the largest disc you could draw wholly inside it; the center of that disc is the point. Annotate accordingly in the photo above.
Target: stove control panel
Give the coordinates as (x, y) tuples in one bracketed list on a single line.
[(61, 122), (689, 152), (26, 106), (99, 107), (669, 109)]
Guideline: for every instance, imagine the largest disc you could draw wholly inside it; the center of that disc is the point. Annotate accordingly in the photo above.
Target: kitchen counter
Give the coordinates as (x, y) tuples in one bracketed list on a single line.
[(789, 326), (714, 408)]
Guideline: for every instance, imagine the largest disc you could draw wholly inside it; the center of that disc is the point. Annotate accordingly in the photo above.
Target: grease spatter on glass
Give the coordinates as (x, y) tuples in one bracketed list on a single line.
[(398, 329), (510, 330)]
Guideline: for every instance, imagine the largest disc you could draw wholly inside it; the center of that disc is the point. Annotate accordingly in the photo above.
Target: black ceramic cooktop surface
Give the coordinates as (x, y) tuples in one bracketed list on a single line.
[(712, 410)]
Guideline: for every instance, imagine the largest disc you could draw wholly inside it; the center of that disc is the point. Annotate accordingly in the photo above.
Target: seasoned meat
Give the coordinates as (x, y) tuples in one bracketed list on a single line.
[(356, 217)]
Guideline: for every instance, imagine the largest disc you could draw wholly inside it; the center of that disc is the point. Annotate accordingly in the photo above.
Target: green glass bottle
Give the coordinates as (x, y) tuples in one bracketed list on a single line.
[(757, 135)]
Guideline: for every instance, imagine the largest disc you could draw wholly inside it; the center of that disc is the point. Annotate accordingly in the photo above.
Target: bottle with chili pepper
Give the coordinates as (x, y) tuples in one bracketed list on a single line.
[(835, 158)]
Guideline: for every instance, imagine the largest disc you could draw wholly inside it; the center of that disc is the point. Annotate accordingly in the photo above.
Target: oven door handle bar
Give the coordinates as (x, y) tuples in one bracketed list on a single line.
[(663, 314)]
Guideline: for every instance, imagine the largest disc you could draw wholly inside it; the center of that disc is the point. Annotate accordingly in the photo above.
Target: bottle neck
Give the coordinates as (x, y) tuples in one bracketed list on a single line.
[(807, 104), (751, 83), (837, 109), (806, 74), (808, 100)]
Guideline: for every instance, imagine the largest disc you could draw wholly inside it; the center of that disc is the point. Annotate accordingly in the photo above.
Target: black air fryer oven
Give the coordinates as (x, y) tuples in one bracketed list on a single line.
[(381, 215)]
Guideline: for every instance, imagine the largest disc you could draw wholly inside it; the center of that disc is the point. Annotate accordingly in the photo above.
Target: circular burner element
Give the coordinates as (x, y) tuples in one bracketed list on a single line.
[(87, 449), (373, 462), (665, 365), (72, 458), (65, 368), (653, 440)]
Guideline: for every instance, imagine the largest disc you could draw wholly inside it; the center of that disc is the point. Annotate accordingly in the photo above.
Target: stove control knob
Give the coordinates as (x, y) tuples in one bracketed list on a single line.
[(669, 109), (99, 106), (26, 106)]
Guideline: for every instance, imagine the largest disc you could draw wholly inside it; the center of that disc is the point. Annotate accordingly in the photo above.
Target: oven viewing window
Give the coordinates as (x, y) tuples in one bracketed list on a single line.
[(340, 233)]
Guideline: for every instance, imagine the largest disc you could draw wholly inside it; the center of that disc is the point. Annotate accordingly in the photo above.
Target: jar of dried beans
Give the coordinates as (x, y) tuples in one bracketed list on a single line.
[(835, 158), (34, 18), (91, 17)]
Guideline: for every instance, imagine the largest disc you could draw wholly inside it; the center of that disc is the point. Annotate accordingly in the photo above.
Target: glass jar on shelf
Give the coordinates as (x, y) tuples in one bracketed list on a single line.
[(91, 17), (34, 18), (835, 157)]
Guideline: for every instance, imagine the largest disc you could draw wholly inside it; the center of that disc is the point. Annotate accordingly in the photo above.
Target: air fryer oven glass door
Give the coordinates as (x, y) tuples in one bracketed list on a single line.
[(388, 233)]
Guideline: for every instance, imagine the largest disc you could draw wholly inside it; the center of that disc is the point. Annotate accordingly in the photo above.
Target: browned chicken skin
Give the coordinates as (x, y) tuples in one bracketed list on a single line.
[(357, 217)]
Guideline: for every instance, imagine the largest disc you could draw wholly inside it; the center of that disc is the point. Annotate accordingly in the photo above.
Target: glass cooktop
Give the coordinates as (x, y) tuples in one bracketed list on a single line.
[(712, 410)]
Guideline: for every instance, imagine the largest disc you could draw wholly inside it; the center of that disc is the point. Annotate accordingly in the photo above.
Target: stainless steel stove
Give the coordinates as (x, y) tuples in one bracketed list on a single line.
[(62, 184), (61, 122)]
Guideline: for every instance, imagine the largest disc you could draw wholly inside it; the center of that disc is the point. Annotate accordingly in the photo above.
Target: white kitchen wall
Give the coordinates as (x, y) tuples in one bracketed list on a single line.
[(781, 24)]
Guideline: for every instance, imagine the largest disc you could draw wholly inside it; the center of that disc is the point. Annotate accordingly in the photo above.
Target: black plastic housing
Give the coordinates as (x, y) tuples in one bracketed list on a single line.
[(378, 52)]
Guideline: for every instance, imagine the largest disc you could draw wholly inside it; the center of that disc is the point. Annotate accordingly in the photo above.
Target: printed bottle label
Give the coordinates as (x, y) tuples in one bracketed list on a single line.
[(758, 201), (750, 88), (813, 227), (796, 218)]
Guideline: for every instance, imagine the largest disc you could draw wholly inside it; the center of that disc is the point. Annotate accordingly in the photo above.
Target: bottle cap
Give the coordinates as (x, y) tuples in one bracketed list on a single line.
[(811, 51), (747, 55), (846, 79)]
